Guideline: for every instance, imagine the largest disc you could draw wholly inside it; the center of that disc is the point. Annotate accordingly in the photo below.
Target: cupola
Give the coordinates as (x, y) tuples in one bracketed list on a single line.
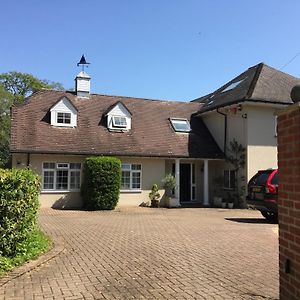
[(83, 81)]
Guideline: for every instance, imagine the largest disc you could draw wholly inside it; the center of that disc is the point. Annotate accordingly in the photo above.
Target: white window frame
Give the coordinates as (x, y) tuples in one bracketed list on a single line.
[(59, 166), (128, 168), (181, 120), (231, 185), (64, 118), (116, 125), (276, 125)]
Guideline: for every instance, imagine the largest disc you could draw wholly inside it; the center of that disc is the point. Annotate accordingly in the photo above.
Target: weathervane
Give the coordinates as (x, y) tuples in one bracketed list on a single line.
[(83, 63)]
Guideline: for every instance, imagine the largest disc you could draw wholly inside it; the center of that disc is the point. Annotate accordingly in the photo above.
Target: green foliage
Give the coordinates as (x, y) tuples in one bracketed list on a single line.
[(236, 156), (22, 85), (14, 87), (154, 194), (101, 184), (169, 182), (19, 192), (36, 244)]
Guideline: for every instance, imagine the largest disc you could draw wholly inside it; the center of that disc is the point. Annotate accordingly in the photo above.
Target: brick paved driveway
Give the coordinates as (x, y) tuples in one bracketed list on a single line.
[(145, 253)]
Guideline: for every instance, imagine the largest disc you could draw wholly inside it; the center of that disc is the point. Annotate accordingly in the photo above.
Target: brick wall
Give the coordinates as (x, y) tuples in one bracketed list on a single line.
[(289, 202)]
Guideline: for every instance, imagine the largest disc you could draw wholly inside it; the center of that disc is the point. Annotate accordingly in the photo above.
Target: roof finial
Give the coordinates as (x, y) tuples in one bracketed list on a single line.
[(83, 62)]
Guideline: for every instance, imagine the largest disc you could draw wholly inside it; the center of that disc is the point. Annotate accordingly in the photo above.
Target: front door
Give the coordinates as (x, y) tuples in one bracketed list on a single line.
[(185, 182)]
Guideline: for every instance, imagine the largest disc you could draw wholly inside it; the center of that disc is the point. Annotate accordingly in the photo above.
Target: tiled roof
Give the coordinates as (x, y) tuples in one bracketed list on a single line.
[(151, 134), (259, 83)]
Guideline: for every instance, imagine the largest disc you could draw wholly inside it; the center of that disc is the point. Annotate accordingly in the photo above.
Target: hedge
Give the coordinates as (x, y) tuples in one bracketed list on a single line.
[(101, 183), (19, 193)]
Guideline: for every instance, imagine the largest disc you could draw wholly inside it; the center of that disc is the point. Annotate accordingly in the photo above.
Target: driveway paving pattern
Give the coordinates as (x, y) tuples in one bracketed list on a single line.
[(148, 253)]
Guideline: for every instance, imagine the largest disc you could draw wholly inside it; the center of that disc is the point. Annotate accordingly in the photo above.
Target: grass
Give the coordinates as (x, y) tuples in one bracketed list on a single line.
[(34, 246)]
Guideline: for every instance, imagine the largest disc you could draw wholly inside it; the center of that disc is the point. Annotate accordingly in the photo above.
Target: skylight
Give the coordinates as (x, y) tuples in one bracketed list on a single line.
[(233, 85), (181, 125)]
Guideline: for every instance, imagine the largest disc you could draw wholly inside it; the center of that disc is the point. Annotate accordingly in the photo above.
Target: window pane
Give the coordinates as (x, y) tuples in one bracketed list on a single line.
[(136, 180), (126, 167), (136, 167), (48, 180), (64, 118), (226, 179), (62, 179), (75, 180), (119, 121), (181, 125), (76, 166), (232, 179), (47, 165), (125, 181), (62, 165)]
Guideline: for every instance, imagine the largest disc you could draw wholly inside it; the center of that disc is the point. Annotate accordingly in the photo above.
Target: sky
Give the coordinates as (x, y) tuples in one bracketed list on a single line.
[(158, 49)]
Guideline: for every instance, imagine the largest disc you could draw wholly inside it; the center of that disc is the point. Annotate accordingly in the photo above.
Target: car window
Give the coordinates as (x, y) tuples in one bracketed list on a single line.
[(275, 179), (260, 178)]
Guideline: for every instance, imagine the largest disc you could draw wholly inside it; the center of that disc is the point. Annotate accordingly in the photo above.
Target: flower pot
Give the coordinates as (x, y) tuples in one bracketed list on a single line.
[(230, 205), (154, 203), (224, 204), (172, 202), (217, 201)]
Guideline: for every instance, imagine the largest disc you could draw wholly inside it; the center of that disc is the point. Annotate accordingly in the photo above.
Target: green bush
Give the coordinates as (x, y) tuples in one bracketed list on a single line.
[(101, 184), (19, 192)]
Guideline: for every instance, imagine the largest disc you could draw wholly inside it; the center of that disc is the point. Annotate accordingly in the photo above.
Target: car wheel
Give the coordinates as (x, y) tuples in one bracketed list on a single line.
[(270, 216)]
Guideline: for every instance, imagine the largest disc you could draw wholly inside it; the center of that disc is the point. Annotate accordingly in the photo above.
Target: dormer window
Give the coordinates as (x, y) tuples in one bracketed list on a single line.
[(118, 118), (63, 118), (63, 113), (119, 122), (180, 125)]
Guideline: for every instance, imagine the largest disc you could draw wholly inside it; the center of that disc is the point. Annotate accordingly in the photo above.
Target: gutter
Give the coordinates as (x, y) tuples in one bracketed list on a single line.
[(225, 129)]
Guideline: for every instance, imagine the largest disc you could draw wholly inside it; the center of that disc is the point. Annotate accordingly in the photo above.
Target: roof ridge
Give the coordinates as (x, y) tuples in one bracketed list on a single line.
[(254, 80)]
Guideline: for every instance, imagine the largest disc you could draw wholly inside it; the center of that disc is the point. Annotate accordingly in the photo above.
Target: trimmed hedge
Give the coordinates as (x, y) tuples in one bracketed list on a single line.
[(19, 193), (101, 183)]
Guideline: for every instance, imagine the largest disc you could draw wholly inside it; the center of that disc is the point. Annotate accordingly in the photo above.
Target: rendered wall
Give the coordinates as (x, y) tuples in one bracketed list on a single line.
[(153, 170), (262, 140)]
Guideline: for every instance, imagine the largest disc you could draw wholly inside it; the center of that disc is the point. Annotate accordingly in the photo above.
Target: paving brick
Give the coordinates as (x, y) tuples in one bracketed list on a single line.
[(145, 253)]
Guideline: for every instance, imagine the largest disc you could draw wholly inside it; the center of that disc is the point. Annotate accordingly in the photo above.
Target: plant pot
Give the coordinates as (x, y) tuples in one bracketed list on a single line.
[(154, 203), (217, 201), (224, 204), (230, 205), (172, 202)]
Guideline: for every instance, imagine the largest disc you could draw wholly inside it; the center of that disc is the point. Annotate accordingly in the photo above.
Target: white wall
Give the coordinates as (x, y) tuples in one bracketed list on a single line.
[(153, 170)]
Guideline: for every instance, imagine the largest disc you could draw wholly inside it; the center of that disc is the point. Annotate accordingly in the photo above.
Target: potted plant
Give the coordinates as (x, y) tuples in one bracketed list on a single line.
[(224, 203), (169, 184), (154, 196)]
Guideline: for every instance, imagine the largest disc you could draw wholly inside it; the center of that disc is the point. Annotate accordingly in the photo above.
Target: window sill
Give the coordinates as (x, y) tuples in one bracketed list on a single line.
[(58, 191), (131, 191)]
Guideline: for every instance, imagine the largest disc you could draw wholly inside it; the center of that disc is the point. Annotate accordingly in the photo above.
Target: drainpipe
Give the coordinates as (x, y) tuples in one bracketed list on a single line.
[(28, 159), (225, 129)]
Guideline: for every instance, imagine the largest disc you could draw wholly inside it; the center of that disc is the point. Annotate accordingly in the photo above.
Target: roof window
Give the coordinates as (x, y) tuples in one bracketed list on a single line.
[(233, 85), (180, 125)]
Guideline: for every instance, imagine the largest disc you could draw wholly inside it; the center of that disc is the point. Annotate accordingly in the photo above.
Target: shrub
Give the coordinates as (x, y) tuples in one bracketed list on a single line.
[(19, 192), (101, 184)]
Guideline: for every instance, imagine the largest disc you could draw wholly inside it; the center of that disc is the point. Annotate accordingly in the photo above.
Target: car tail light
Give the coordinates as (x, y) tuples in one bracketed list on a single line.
[(271, 189)]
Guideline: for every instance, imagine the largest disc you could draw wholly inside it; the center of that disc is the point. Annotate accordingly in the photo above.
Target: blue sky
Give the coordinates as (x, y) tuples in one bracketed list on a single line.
[(161, 49)]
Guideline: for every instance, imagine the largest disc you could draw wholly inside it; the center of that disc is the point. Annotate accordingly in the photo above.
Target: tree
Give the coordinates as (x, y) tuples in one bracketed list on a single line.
[(14, 88), (236, 156), (22, 85)]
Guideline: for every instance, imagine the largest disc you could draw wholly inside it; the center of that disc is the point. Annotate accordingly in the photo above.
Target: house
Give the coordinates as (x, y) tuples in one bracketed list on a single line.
[(54, 131), (245, 109)]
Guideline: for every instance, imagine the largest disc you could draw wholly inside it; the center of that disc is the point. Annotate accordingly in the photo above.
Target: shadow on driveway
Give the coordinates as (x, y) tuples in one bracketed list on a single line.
[(248, 220)]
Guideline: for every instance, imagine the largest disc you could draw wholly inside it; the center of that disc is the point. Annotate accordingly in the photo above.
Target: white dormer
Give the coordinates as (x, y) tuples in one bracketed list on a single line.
[(83, 85), (119, 118), (63, 113)]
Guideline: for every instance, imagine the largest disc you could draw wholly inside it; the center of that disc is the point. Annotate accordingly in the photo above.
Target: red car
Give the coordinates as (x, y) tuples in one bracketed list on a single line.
[(263, 193)]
